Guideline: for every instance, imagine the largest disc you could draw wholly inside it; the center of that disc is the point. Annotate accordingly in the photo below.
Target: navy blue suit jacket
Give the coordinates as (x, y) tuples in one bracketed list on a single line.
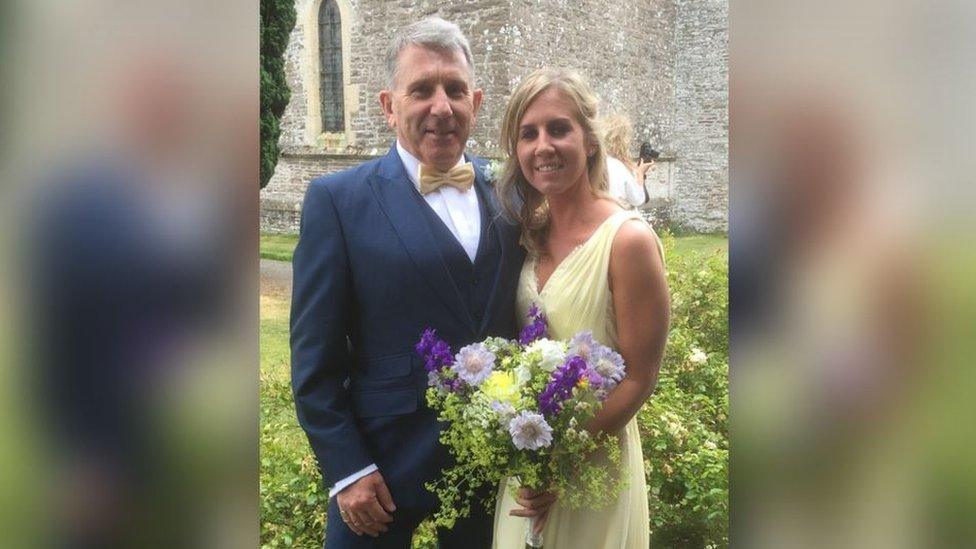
[(368, 279)]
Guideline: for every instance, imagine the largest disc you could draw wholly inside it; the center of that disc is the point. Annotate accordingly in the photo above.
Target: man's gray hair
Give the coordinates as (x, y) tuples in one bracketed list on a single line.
[(431, 32)]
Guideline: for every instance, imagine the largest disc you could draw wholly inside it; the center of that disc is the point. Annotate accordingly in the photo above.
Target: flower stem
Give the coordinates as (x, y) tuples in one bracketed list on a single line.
[(532, 540)]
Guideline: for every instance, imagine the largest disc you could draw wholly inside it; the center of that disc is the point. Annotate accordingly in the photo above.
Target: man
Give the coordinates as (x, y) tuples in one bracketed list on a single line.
[(398, 244)]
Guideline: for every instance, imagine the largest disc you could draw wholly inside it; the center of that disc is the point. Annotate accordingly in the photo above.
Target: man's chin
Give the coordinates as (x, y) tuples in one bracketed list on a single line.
[(443, 158)]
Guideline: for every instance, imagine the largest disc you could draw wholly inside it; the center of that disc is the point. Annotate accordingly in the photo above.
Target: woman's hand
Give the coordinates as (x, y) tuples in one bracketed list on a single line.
[(640, 172), (536, 504)]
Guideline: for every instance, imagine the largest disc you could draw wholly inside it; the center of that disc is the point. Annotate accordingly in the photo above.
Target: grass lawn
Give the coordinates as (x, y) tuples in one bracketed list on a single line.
[(701, 243), (281, 247), (278, 246)]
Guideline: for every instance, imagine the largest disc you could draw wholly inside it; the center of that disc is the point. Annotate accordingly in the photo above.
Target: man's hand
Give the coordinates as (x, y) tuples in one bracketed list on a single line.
[(366, 504), (536, 504)]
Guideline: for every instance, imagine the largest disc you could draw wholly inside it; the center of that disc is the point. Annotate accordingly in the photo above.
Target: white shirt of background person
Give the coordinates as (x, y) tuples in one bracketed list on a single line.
[(622, 184)]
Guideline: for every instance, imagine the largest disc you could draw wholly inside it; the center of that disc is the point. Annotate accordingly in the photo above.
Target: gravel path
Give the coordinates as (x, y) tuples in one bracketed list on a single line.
[(276, 277)]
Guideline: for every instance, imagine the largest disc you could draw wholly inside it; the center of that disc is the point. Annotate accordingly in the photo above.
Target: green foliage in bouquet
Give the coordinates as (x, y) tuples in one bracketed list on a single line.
[(685, 426), (478, 433)]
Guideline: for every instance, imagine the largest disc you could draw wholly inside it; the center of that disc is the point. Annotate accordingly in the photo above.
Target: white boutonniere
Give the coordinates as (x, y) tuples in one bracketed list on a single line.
[(492, 171)]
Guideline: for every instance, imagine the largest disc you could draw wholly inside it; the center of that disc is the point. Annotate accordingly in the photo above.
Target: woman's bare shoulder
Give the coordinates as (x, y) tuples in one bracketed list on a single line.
[(635, 238)]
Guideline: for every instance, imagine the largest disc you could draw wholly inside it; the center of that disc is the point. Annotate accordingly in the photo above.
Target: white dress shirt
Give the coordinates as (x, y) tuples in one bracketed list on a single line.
[(461, 215), (457, 209)]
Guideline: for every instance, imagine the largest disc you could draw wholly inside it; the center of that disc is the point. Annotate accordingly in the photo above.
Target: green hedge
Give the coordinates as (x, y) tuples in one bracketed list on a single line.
[(685, 425)]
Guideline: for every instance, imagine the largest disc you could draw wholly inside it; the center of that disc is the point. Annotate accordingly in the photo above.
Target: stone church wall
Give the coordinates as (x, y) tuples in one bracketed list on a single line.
[(660, 62), (701, 116)]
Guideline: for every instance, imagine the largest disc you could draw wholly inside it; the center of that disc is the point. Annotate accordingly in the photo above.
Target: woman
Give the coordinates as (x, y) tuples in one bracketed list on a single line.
[(591, 266), (626, 183)]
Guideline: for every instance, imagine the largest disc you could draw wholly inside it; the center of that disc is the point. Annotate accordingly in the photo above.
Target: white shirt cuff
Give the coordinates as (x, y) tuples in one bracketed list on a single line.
[(351, 479)]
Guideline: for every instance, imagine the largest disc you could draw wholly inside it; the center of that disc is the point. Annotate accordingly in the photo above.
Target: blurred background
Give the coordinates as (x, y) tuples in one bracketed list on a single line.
[(851, 264), (129, 379)]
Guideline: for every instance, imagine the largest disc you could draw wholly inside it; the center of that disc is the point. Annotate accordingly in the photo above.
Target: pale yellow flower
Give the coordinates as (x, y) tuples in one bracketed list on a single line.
[(501, 386)]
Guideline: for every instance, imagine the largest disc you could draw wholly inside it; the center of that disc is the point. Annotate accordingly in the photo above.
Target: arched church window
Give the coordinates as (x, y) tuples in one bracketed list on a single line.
[(330, 67)]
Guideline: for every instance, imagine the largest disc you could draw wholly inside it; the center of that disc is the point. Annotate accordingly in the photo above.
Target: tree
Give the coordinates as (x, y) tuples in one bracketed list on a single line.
[(277, 21)]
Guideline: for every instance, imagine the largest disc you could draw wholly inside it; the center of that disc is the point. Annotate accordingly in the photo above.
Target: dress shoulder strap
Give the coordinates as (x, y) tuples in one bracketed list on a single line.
[(613, 225)]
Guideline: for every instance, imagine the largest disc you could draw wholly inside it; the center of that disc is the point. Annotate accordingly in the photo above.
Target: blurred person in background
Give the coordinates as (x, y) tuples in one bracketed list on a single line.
[(127, 275), (626, 179), (825, 323)]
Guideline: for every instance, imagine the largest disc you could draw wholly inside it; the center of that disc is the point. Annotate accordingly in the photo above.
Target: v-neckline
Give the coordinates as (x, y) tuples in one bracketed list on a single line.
[(535, 262)]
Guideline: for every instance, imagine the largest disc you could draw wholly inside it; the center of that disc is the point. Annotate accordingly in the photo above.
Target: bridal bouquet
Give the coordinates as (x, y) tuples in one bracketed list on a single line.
[(517, 410)]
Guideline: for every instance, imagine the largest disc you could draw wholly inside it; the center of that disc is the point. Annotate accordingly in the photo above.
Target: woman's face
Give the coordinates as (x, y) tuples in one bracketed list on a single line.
[(552, 147)]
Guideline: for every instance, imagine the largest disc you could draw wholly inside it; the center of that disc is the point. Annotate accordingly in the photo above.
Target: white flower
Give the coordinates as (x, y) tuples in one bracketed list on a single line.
[(710, 445), (503, 409), (697, 356), (493, 169), (474, 363), (553, 353), (522, 375), (673, 428), (434, 380), (530, 431)]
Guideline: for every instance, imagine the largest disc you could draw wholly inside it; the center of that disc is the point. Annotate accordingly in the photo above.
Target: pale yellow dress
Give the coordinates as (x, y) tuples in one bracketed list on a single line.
[(577, 297)]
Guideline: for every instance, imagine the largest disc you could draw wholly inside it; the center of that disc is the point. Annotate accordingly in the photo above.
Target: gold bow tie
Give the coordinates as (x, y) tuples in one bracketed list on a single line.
[(460, 177)]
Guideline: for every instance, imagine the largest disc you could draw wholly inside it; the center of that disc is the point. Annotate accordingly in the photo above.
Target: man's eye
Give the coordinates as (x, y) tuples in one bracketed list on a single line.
[(422, 91), (456, 91)]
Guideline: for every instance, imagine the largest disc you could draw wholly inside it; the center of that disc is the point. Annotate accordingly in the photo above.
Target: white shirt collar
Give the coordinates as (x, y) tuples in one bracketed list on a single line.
[(412, 164)]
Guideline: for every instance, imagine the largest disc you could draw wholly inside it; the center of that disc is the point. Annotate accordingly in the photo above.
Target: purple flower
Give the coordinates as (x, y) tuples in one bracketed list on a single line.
[(443, 382), (435, 351), (536, 329), (530, 431), (595, 379), (583, 345), (454, 385), (609, 364), (474, 363), (561, 385)]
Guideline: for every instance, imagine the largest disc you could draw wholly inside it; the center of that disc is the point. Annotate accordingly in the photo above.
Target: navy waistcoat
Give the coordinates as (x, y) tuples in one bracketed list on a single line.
[(472, 280)]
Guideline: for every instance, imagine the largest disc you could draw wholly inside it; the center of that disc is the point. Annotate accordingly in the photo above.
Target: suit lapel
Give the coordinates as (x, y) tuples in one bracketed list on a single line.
[(496, 224), (397, 198)]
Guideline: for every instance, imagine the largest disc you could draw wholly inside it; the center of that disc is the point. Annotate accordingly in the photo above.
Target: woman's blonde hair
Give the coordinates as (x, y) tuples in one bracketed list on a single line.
[(519, 199), (618, 133)]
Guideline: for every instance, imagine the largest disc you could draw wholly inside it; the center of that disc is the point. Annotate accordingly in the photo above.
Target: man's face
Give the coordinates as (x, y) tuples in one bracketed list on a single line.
[(432, 104)]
